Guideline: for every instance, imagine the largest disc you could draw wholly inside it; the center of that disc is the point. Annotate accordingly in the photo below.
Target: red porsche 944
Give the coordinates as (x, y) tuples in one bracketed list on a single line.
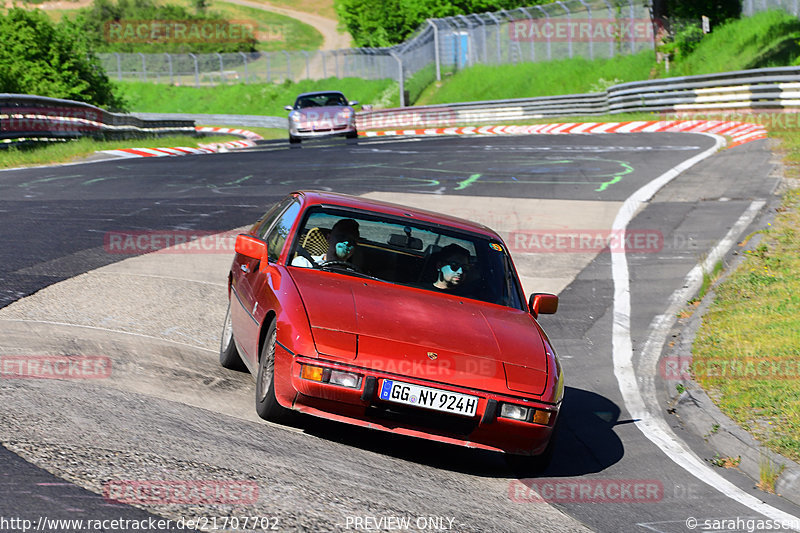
[(393, 318)]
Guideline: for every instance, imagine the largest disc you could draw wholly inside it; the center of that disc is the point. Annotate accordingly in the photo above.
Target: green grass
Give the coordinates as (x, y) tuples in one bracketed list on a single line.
[(251, 99), (277, 32), (68, 151), (548, 78), (755, 318), (768, 39)]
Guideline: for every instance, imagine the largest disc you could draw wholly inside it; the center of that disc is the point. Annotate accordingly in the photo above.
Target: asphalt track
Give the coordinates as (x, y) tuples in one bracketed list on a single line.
[(189, 418)]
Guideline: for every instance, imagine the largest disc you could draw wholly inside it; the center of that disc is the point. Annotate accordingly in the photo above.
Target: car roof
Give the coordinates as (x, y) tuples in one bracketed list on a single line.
[(398, 210), (316, 93)]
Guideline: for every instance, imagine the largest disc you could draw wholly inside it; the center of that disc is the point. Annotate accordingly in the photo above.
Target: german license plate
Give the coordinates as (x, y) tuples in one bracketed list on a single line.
[(428, 398)]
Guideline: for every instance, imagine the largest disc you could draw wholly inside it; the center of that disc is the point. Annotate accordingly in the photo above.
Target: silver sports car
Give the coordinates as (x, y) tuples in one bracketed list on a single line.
[(321, 114)]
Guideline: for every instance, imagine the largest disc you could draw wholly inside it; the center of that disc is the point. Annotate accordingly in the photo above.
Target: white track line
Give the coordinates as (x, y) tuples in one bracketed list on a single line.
[(651, 423)]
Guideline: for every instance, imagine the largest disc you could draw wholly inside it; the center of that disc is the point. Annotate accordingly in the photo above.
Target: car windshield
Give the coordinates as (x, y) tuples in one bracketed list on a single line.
[(320, 100), (405, 252)]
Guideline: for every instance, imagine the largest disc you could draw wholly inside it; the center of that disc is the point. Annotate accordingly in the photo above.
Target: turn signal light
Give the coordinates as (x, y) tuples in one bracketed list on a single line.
[(314, 373), (541, 417)]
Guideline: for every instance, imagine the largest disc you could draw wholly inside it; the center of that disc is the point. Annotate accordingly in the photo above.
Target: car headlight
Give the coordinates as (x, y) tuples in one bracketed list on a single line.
[(525, 414), (294, 117), (514, 411)]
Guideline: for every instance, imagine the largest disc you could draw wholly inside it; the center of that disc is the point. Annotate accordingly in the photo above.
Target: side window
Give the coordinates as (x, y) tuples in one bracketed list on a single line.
[(279, 233), (274, 212)]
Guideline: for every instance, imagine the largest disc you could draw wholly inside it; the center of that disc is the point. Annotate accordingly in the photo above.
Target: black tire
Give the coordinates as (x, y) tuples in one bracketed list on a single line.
[(228, 354), (294, 140), (352, 135), (267, 405)]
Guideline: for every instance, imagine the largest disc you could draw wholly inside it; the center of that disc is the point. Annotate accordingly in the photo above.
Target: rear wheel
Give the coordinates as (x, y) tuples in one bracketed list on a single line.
[(228, 354), (267, 405)]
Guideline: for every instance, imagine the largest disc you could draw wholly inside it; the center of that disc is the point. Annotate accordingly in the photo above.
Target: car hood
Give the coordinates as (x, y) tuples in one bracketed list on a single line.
[(419, 333)]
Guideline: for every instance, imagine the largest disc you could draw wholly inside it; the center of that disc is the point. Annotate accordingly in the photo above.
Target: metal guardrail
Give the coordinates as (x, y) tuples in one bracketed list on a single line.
[(251, 121), (31, 118), (761, 89), (23, 116)]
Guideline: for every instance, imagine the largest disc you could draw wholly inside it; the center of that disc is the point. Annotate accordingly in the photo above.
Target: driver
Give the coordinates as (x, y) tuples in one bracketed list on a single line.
[(342, 242), (451, 267)]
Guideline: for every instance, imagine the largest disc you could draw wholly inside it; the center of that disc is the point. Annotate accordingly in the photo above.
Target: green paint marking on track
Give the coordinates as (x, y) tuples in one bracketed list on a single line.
[(240, 180), (617, 177), (467, 182), (46, 180)]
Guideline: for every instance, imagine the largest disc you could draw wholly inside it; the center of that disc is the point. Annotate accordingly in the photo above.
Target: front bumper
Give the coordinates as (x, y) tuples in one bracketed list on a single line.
[(361, 406), (310, 133)]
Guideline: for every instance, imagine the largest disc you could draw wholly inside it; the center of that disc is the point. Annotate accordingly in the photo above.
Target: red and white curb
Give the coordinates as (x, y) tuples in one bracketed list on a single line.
[(250, 138), (740, 132)]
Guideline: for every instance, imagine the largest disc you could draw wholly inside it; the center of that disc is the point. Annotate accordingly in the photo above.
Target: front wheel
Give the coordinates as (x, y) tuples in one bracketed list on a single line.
[(228, 354), (267, 405), (294, 140)]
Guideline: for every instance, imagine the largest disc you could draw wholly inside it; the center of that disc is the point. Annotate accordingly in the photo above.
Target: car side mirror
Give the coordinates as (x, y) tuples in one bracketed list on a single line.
[(250, 246), (288, 107), (542, 303), (352, 102)]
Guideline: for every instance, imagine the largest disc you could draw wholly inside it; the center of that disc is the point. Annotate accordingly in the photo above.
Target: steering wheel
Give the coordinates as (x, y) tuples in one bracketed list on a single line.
[(343, 264)]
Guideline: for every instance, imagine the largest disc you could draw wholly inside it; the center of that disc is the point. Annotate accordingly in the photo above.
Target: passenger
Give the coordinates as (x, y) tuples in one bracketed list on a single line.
[(342, 242), (451, 266)]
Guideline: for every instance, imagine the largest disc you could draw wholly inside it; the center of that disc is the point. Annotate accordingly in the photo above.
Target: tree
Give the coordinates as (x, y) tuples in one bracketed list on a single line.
[(717, 10), (44, 59)]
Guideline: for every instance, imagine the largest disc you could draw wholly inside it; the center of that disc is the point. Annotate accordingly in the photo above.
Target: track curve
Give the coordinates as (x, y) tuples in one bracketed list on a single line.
[(168, 407)]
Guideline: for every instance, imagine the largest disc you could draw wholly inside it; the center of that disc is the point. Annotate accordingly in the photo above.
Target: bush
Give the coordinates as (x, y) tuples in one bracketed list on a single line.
[(57, 61)]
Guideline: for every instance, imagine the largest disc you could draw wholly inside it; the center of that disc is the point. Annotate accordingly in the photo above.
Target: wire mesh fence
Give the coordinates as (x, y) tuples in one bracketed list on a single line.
[(751, 7), (565, 29)]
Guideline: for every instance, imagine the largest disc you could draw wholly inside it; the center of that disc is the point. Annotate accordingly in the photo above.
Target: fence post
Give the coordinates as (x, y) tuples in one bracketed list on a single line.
[(221, 68), (547, 18), (144, 67), (610, 18), (169, 63), (569, 26), (530, 21), (244, 57), (630, 26), (308, 67), (288, 66), (196, 71), (269, 74), (436, 50), (119, 66), (591, 29), (400, 77), (324, 66), (497, 35)]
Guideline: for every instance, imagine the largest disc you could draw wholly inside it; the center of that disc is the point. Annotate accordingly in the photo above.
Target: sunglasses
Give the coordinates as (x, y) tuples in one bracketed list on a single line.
[(455, 265)]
